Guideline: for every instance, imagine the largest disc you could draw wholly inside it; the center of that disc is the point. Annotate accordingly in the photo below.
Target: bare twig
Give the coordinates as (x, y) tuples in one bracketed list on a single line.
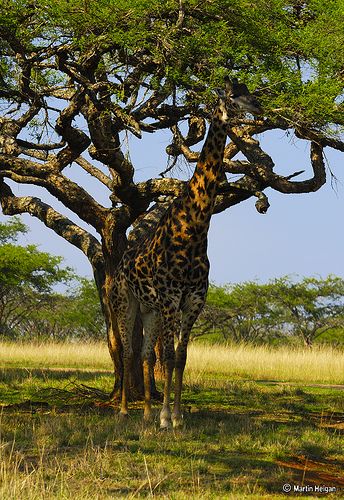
[(94, 171)]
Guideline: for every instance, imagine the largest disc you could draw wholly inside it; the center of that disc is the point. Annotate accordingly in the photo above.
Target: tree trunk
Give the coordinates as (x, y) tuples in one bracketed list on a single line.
[(115, 346), (114, 243), (308, 340)]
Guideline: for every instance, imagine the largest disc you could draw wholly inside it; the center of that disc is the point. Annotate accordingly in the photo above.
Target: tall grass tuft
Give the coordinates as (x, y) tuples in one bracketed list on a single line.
[(318, 365)]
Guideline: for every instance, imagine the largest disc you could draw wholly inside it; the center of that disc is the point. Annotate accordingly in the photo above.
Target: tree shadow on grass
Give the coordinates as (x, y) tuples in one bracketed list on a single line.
[(215, 420), (280, 406), (327, 473), (43, 389), (19, 375)]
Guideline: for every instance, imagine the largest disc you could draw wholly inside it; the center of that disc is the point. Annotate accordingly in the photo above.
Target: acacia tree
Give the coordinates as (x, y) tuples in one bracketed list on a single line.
[(254, 312), (310, 307), (75, 75), (251, 315), (75, 315), (27, 279), (241, 312)]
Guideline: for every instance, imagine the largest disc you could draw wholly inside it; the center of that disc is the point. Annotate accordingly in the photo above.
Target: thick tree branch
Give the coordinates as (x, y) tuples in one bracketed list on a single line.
[(106, 144), (181, 145), (40, 147), (259, 178), (155, 188), (77, 140), (242, 137), (319, 138), (94, 171), (23, 167), (68, 192), (239, 191), (260, 165), (181, 14), (284, 185), (77, 199), (61, 225), (149, 106)]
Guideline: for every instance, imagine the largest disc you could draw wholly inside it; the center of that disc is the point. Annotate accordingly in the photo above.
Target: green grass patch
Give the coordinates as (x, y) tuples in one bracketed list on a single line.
[(242, 438)]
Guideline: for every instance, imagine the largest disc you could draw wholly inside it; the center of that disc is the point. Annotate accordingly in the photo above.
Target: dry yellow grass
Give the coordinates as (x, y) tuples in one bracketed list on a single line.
[(56, 355), (319, 365)]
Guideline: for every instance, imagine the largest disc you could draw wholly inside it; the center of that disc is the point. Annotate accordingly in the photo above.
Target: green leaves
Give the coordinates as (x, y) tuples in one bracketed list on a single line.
[(73, 316), (27, 278), (83, 315), (281, 308), (27, 266), (10, 230), (30, 307), (291, 51)]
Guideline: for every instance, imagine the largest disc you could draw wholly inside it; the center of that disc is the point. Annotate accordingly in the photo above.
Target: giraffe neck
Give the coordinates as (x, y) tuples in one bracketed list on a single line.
[(203, 184)]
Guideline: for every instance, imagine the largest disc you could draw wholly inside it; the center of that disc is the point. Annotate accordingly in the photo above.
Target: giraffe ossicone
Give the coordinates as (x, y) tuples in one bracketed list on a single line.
[(165, 275)]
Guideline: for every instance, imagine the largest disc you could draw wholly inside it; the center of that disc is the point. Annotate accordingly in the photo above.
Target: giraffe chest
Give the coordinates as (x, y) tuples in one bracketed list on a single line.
[(165, 274)]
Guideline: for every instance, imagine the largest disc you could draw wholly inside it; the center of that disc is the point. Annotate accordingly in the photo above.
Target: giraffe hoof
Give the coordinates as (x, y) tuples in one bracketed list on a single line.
[(165, 424), (178, 423), (148, 418), (123, 416)]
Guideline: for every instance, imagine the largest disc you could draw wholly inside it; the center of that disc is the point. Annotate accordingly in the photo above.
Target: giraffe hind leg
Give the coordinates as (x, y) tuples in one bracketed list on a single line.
[(127, 307), (150, 320), (192, 307), (169, 325)]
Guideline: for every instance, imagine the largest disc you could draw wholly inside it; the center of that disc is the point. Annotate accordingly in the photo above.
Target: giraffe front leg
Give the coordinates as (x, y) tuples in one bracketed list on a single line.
[(150, 320), (127, 307), (165, 414), (192, 307), (177, 417), (127, 366), (169, 322)]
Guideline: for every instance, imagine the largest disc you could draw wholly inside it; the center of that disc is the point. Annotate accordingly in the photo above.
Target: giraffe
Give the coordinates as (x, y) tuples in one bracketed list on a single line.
[(165, 275)]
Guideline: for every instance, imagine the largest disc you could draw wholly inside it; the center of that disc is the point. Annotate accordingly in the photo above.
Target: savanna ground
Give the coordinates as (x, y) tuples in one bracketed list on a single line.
[(255, 419)]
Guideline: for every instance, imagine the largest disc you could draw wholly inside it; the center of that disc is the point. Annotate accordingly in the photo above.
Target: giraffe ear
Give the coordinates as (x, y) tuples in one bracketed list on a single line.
[(239, 95), (234, 88), (230, 84), (229, 88), (220, 93)]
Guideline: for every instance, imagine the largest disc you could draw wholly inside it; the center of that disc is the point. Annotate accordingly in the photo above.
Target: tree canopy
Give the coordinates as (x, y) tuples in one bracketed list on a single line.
[(281, 309), (76, 74), (77, 77), (27, 278)]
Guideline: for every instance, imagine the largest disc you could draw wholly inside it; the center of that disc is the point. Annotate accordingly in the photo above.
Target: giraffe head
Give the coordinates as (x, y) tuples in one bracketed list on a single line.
[(237, 97)]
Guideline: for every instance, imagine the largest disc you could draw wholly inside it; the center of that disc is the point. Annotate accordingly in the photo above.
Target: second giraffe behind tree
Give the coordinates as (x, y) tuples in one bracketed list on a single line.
[(165, 276)]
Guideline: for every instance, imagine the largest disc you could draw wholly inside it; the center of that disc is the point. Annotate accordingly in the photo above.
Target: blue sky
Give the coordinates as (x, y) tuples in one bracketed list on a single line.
[(300, 234)]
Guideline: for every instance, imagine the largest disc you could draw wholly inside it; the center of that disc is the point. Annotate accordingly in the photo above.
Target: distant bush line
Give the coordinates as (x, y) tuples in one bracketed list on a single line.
[(283, 311)]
